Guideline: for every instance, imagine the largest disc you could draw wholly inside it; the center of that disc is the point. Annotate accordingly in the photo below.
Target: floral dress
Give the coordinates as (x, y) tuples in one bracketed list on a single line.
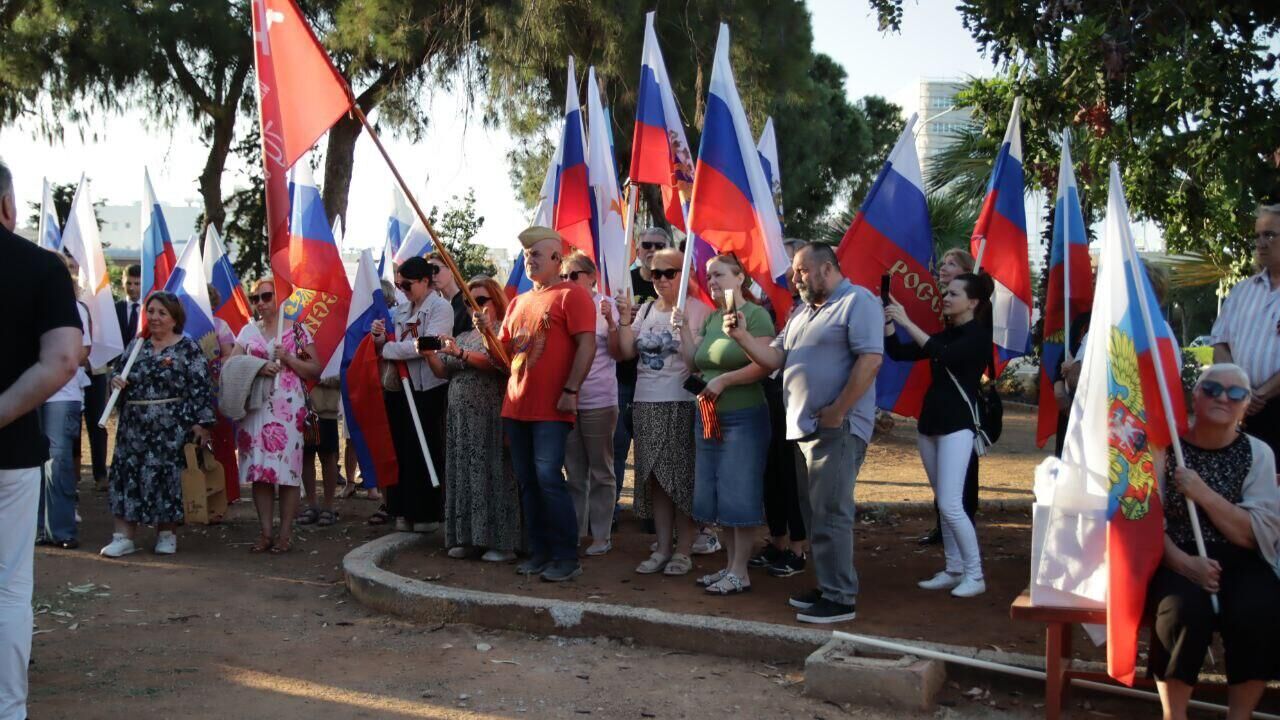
[(482, 507), (169, 391), (270, 438)]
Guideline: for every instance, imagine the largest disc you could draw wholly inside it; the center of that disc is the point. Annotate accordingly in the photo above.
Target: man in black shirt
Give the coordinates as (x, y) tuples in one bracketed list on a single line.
[(43, 341), (447, 285)]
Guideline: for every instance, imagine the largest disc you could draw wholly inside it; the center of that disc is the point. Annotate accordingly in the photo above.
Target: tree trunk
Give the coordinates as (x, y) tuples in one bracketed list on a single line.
[(224, 130), (339, 159)]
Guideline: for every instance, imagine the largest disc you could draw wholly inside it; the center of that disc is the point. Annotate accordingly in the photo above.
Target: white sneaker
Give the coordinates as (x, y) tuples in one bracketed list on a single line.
[(969, 588), (495, 556), (426, 527), (457, 552), (942, 581), (706, 544), (166, 543), (119, 547)]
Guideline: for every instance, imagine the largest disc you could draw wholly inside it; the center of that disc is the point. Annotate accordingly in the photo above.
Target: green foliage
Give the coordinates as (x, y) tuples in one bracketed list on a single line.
[(884, 124), (458, 225), (63, 194), (245, 232), (823, 140), (1182, 95)]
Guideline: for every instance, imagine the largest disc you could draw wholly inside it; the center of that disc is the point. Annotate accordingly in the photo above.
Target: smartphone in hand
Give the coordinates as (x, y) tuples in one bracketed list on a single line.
[(430, 342), (884, 289)]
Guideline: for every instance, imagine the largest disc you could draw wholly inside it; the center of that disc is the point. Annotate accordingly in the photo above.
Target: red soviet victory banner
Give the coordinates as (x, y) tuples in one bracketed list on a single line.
[(300, 96)]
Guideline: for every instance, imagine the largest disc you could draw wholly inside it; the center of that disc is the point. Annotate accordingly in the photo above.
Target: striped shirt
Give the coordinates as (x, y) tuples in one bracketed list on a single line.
[(1250, 326)]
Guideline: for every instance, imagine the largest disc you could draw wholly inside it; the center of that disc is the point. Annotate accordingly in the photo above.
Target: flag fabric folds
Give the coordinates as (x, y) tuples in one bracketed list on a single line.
[(80, 238), (660, 152), (415, 243), (300, 96), (158, 257), (572, 196), (732, 207), (768, 149), (337, 233), (50, 230), (322, 294), (233, 306), (891, 236), (187, 281), (1070, 291), (606, 200), (999, 243), (517, 281), (362, 400)]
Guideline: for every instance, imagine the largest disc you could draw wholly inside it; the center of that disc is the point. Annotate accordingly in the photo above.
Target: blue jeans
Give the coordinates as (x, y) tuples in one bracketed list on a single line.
[(728, 486), (622, 438), (57, 510), (537, 457)]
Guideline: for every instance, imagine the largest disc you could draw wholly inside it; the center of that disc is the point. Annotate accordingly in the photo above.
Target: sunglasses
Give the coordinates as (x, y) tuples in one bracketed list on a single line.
[(265, 297), (482, 300), (653, 245), (1235, 393), (433, 269), (669, 274), (406, 285), (574, 275)]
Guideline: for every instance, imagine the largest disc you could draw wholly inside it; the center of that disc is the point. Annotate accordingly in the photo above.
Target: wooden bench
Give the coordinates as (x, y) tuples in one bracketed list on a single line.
[(1057, 647)]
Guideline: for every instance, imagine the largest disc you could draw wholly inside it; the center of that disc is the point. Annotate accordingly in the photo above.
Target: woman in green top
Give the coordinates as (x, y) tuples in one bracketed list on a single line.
[(732, 434)]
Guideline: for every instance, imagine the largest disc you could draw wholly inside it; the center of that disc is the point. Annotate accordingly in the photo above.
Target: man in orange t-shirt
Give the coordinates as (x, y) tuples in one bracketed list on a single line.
[(549, 334)]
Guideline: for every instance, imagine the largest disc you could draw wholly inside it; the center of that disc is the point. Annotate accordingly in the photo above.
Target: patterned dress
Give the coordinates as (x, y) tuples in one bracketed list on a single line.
[(270, 438), (169, 391), (482, 507)]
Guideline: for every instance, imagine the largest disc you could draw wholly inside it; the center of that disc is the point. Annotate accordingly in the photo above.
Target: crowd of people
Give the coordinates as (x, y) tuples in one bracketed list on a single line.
[(743, 424)]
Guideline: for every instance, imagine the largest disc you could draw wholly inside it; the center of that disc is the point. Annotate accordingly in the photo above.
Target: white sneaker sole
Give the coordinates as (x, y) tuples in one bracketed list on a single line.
[(103, 552), (826, 620)]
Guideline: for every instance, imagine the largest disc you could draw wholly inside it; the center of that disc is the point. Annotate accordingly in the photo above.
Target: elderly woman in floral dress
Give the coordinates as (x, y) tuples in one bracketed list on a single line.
[(270, 437)]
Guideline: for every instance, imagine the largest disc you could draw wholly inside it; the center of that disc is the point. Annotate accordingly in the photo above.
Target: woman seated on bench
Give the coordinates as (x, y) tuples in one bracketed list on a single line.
[(1232, 479)]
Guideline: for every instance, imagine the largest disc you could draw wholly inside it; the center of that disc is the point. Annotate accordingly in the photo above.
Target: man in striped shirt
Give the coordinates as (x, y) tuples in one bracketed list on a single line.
[(1247, 331)]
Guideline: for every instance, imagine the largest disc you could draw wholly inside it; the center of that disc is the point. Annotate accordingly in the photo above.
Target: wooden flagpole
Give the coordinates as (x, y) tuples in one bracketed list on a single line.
[(440, 249)]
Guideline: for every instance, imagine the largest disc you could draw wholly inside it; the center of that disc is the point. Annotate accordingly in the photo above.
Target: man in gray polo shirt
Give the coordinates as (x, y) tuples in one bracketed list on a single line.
[(830, 352)]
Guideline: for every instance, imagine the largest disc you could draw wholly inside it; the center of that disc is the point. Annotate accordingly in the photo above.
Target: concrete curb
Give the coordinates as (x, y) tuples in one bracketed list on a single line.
[(427, 602)]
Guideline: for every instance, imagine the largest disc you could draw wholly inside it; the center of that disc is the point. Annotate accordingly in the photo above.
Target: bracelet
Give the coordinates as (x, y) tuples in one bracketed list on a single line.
[(569, 392)]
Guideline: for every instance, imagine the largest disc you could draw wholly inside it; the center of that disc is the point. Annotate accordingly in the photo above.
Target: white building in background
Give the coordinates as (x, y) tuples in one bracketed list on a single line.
[(934, 100), (121, 229)]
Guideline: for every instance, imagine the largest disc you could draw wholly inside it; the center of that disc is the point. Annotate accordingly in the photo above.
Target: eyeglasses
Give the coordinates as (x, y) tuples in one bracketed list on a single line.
[(653, 245), (574, 275), (482, 300), (407, 285), (265, 297), (669, 274), (1235, 393)]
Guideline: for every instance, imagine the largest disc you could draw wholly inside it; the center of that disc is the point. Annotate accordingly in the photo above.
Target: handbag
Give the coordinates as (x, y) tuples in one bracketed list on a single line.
[(311, 422), (981, 441), (326, 396), (991, 408)]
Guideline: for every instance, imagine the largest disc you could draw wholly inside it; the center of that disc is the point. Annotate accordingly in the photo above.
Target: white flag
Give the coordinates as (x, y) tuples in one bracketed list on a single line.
[(80, 238)]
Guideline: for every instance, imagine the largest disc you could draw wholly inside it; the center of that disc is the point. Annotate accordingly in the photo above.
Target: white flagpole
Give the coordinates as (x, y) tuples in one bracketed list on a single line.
[(417, 426), (1174, 441), (982, 250), (124, 375), (1066, 265), (633, 192), (687, 213)]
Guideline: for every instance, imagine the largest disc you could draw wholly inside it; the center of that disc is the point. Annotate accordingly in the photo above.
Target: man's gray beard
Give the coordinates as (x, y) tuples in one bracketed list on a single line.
[(811, 295)]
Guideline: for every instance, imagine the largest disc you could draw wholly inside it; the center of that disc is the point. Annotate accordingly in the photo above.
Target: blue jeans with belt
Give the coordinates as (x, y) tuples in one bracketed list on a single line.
[(57, 510), (537, 457)]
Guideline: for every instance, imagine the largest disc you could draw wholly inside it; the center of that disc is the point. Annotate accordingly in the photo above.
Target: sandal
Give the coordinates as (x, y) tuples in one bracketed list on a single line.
[(654, 564), (282, 546), (263, 544), (308, 517), (712, 579), (678, 565), (730, 584), (380, 517), (327, 518)]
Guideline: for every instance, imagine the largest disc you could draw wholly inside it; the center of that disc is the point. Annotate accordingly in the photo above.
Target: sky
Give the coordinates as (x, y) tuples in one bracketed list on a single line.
[(458, 152)]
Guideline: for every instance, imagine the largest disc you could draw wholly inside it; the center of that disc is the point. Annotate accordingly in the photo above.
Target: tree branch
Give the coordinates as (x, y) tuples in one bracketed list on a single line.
[(186, 81)]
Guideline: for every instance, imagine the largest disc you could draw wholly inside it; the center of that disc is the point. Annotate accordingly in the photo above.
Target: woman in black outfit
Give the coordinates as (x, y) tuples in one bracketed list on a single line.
[(957, 357)]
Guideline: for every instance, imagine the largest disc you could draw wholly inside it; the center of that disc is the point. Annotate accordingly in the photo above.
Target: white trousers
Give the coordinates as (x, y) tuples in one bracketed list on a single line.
[(19, 503), (946, 461)]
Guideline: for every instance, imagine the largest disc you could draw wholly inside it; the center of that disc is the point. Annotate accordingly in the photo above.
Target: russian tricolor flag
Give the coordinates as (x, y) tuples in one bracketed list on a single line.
[(891, 236), (768, 149), (321, 294), (362, 400), (999, 243), (571, 199), (50, 232), (187, 281), (158, 258), (1070, 292), (732, 206), (660, 152), (234, 307)]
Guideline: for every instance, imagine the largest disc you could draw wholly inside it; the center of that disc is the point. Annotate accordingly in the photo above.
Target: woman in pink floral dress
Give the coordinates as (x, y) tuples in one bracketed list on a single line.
[(270, 438)]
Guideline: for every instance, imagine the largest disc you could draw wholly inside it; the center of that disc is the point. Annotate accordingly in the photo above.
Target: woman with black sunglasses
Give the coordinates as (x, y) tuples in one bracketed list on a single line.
[(1231, 477), (416, 505)]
